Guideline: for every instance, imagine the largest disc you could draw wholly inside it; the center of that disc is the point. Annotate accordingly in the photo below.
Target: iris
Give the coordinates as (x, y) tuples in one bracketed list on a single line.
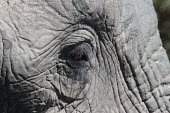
[(79, 56)]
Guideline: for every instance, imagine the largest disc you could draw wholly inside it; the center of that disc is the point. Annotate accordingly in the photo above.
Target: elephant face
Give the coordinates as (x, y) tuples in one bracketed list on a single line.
[(87, 56)]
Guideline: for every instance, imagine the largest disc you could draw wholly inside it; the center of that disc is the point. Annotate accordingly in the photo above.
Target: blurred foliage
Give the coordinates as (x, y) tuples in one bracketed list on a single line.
[(162, 8)]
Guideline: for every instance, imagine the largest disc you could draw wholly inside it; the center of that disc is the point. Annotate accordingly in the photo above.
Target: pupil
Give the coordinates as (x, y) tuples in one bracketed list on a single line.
[(77, 56)]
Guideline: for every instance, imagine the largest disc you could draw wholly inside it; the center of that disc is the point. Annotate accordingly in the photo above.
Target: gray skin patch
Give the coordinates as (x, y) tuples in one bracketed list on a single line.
[(81, 6), (7, 44)]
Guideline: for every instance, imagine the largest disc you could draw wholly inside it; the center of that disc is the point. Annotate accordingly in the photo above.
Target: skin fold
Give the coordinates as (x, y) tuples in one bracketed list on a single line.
[(82, 56)]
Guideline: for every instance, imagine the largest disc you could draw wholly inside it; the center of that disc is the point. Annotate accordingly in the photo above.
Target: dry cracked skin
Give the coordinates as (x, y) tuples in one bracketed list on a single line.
[(82, 56)]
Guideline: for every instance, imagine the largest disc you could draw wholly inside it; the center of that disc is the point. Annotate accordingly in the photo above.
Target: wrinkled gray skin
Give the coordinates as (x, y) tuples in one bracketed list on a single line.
[(82, 56)]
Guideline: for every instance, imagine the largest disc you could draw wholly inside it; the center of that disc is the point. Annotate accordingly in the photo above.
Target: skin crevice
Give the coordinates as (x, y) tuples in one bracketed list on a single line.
[(81, 56), (124, 70), (134, 74)]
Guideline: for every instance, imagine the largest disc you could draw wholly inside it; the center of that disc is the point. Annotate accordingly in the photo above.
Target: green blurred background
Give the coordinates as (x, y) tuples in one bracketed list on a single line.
[(162, 8)]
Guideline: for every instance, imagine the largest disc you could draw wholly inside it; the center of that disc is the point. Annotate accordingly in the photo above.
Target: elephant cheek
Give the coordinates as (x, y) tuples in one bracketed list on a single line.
[(68, 88)]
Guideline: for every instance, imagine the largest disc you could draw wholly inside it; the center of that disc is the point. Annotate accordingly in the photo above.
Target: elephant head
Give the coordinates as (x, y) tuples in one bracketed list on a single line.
[(82, 56)]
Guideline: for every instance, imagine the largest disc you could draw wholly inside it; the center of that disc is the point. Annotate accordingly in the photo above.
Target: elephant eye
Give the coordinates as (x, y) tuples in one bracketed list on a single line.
[(79, 56)]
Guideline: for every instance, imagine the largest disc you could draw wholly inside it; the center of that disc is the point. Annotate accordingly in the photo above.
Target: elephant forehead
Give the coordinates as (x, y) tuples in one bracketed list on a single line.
[(31, 18), (77, 6)]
